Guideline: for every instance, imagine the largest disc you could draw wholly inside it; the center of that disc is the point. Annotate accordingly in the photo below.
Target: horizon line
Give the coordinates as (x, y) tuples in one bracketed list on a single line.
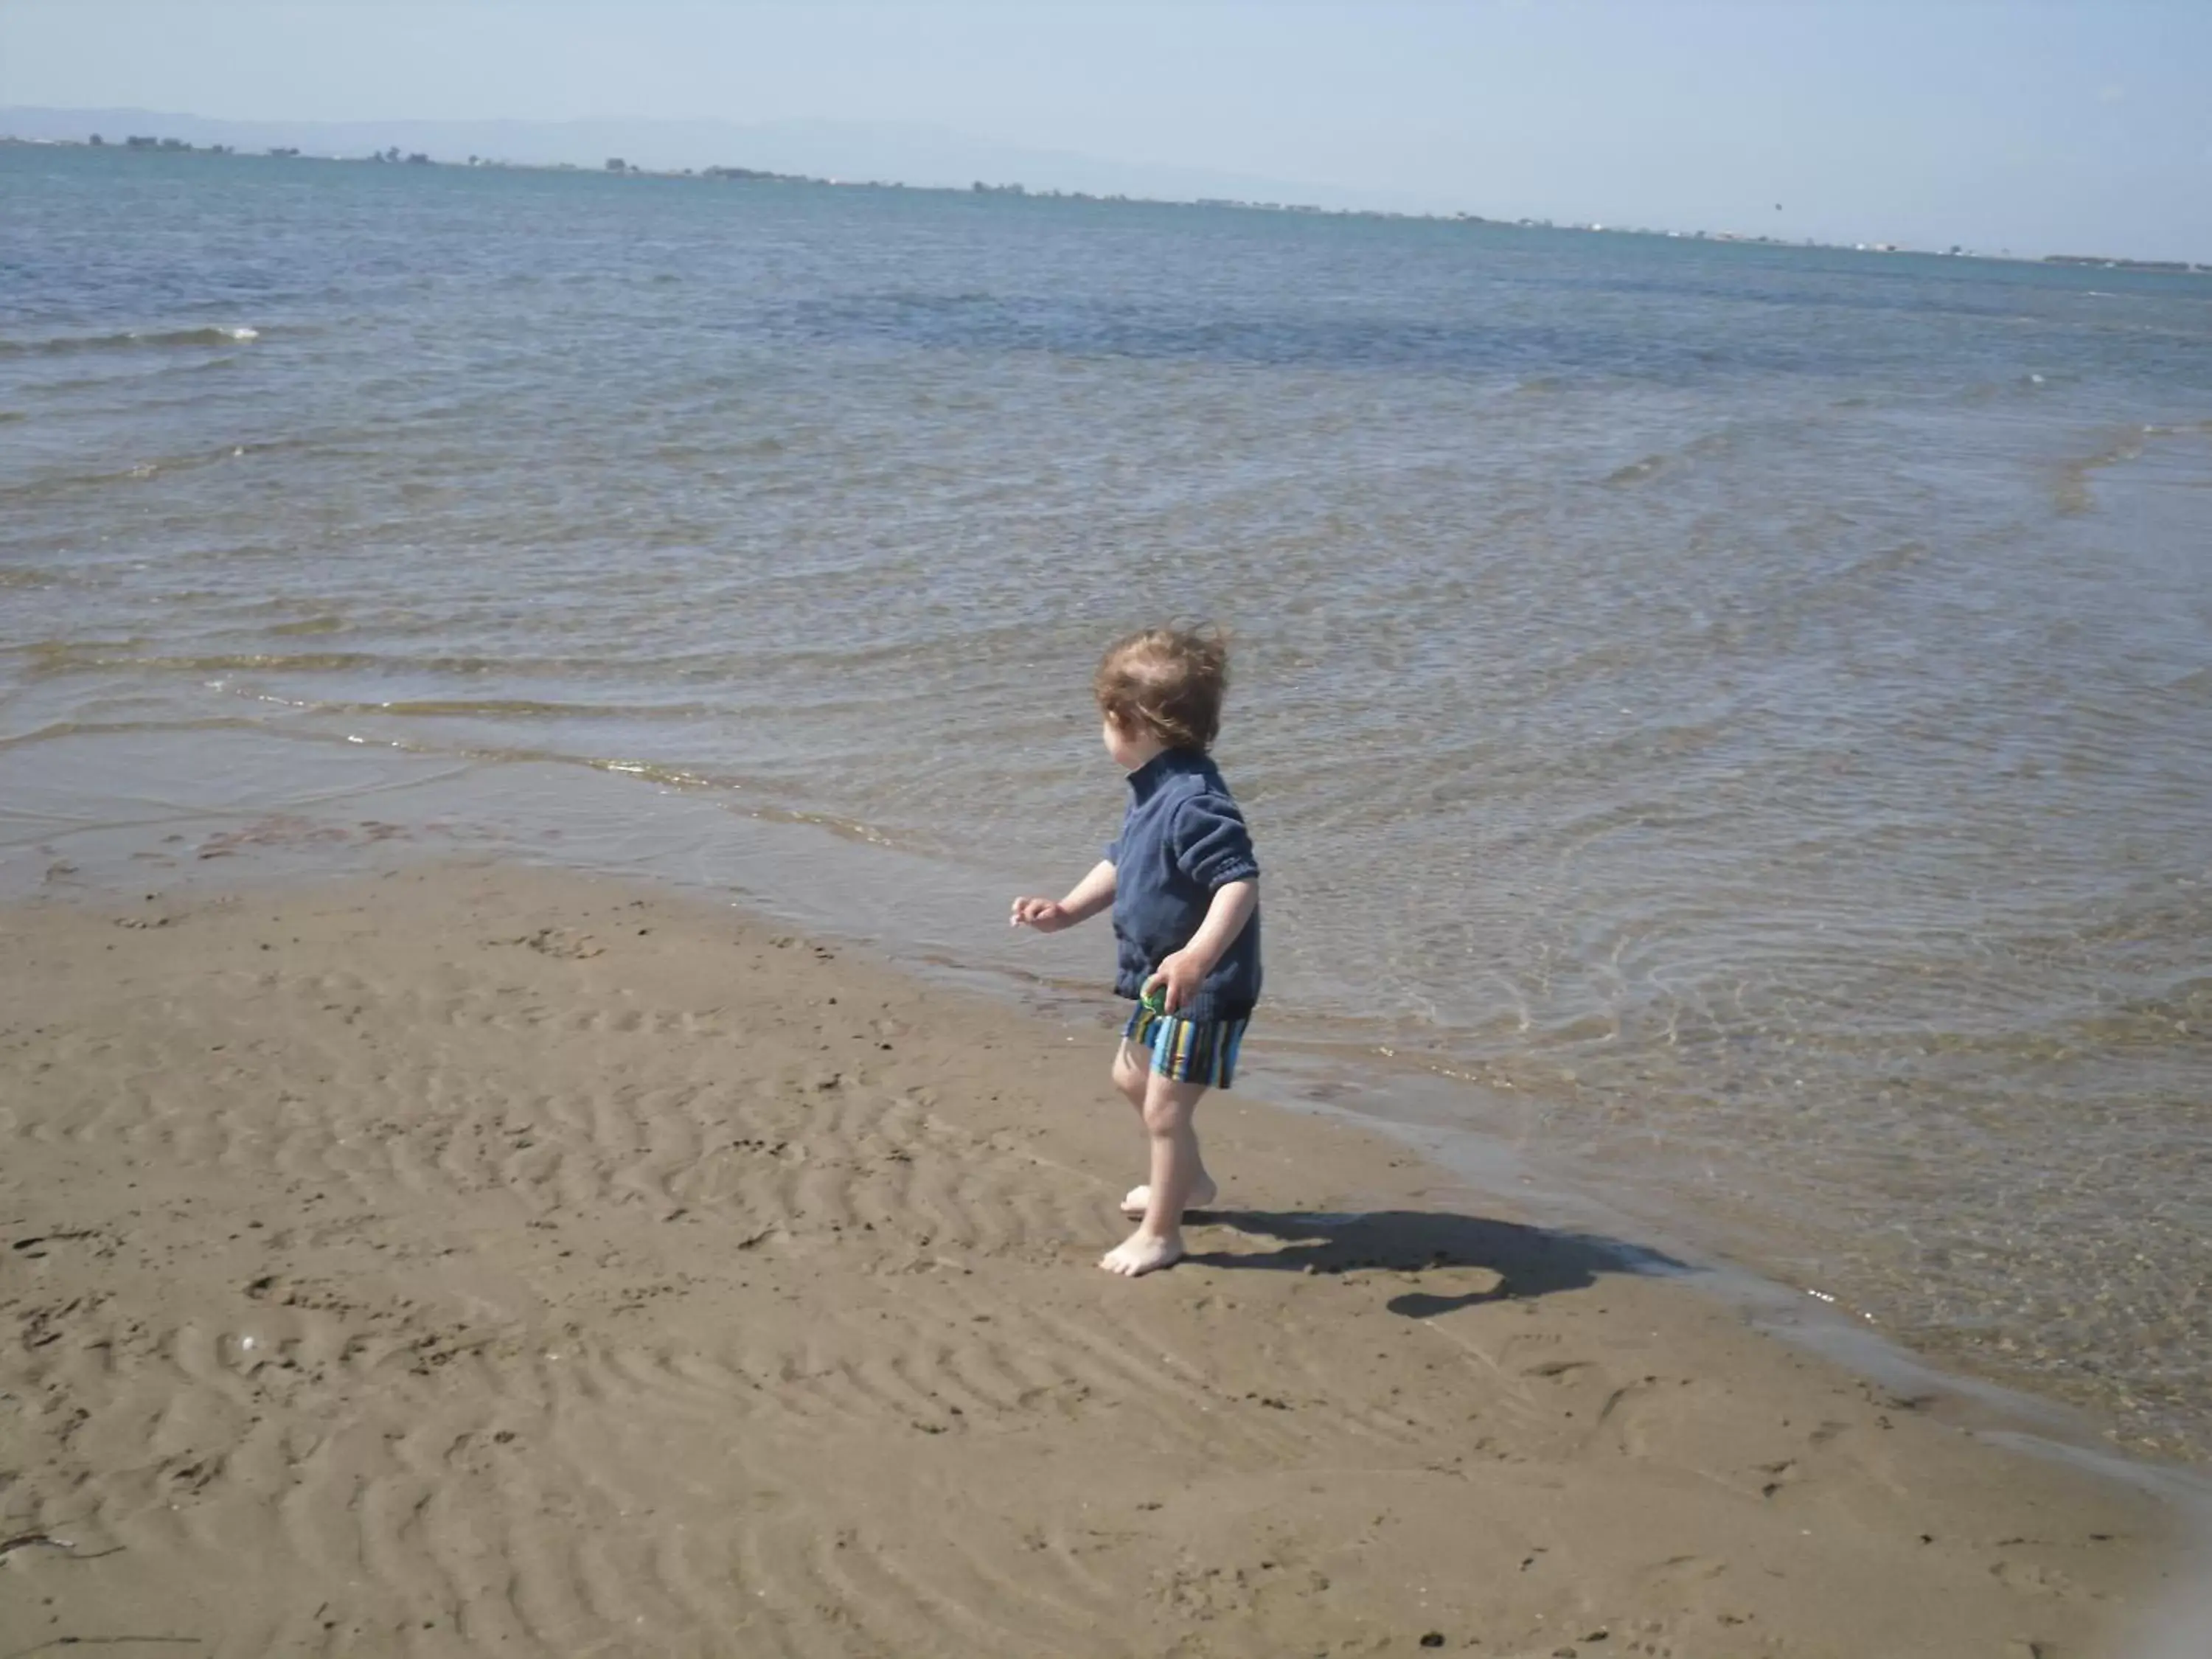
[(1348, 203)]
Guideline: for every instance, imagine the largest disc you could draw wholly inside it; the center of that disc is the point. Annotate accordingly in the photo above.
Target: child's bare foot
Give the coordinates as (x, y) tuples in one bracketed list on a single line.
[(1141, 1254), (1201, 1195)]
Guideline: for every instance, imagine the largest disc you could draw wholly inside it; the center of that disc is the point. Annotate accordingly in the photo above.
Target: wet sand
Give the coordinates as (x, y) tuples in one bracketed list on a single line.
[(475, 1259)]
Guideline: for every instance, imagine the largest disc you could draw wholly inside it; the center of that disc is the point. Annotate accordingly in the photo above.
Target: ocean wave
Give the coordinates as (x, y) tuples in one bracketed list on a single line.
[(1705, 446), (59, 731), (2071, 494), (62, 345), (517, 708), (81, 656), (1421, 340), (1637, 472), (38, 489)]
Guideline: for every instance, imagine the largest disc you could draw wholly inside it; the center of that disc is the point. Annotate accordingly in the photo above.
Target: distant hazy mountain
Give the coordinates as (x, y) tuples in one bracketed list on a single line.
[(888, 152)]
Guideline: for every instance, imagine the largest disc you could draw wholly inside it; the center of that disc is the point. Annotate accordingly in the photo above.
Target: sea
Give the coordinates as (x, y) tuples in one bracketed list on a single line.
[(1728, 727)]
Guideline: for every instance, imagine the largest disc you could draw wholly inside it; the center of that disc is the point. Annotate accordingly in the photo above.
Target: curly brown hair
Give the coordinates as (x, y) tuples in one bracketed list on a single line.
[(1167, 682)]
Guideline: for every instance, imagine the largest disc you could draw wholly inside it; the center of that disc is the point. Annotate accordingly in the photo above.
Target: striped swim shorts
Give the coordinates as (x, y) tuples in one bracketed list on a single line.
[(1202, 1051)]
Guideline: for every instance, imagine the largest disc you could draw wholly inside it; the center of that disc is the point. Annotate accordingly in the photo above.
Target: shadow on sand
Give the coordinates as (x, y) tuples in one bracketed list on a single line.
[(1530, 1261)]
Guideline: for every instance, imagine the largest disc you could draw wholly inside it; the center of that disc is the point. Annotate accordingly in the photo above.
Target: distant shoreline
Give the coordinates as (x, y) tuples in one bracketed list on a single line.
[(618, 168)]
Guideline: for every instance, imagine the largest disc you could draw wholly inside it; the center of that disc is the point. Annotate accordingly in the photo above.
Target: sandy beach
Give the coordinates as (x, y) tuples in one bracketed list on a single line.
[(475, 1259)]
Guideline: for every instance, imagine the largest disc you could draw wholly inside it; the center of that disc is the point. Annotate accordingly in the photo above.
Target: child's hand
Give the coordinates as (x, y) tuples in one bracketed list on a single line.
[(1046, 916), (1090, 895), (1182, 974)]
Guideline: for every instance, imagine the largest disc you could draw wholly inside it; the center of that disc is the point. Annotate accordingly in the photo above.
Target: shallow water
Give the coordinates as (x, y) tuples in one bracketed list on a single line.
[(1743, 716)]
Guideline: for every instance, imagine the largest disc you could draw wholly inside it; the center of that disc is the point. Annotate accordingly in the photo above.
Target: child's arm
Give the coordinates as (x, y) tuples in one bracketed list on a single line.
[(1186, 970), (1086, 900)]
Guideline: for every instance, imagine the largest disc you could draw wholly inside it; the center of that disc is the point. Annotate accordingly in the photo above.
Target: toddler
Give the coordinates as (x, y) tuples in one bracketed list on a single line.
[(1185, 891)]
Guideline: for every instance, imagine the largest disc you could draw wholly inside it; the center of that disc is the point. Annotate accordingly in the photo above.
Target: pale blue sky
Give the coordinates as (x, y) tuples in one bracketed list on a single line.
[(2035, 124)]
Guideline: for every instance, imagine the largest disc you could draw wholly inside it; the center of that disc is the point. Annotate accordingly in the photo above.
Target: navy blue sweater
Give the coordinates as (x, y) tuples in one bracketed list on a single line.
[(1183, 839)]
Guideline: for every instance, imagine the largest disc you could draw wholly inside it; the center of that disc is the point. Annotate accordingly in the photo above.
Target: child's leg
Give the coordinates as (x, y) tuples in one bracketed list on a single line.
[(1131, 1066), (1176, 1169), (1132, 1072)]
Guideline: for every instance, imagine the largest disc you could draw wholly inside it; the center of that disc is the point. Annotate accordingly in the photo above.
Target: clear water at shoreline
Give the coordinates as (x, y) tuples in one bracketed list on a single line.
[(1749, 709)]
